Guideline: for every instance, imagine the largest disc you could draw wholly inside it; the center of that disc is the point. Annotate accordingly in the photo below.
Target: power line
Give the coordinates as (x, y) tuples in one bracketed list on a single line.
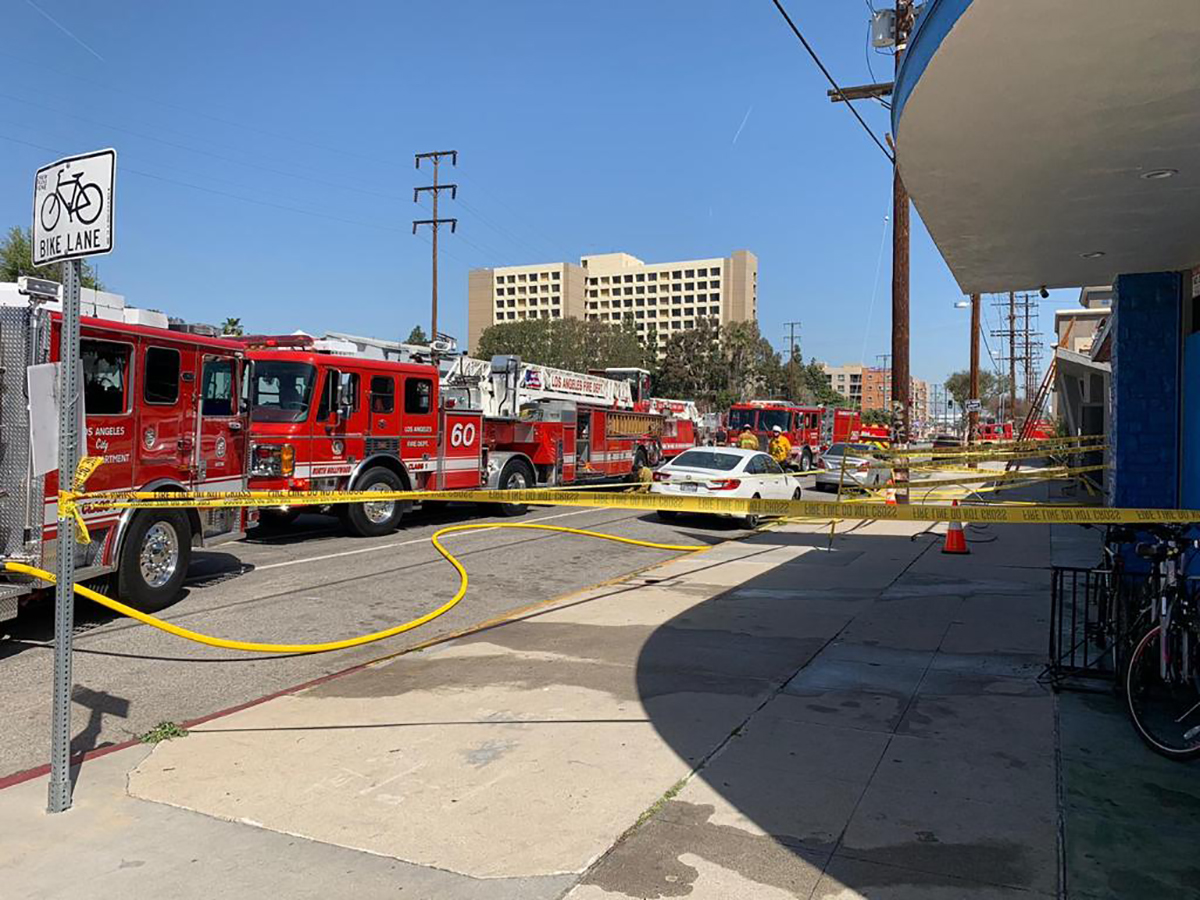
[(850, 106)]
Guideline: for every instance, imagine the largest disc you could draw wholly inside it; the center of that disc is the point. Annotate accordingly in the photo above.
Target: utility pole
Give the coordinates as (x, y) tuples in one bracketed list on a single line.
[(973, 415), (435, 223), (1012, 355), (791, 327), (900, 339)]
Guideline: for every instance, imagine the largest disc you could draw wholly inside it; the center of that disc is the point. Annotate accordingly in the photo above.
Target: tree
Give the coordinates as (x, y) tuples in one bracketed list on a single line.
[(807, 384), (574, 344), (417, 336), (232, 326), (991, 388), (16, 256), (877, 417), (718, 366)]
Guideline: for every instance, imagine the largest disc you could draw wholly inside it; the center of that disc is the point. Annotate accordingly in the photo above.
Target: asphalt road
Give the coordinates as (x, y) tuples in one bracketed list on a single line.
[(305, 583)]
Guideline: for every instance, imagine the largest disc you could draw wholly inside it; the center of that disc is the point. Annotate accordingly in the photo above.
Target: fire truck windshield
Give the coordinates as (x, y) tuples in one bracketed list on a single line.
[(282, 391), (769, 418), (741, 418)]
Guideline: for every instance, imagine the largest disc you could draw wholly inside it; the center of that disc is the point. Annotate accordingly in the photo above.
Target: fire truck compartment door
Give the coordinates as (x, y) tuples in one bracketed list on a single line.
[(221, 431), (418, 432), (383, 416)]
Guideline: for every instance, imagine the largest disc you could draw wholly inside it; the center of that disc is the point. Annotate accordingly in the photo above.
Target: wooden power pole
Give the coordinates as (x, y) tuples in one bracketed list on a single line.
[(901, 384), (435, 223), (973, 415)]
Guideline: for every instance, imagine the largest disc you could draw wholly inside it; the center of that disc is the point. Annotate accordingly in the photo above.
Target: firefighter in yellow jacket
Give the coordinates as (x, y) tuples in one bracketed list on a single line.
[(780, 447), (748, 440)]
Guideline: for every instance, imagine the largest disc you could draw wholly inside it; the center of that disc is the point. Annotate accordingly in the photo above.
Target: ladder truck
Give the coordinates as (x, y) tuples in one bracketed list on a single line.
[(326, 417)]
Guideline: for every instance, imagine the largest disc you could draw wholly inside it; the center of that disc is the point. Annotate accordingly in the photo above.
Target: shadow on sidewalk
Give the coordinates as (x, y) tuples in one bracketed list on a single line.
[(895, 742)]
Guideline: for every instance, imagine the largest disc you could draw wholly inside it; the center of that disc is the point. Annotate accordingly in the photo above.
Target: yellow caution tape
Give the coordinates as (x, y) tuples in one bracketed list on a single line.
[(651, 501), (257, 647)]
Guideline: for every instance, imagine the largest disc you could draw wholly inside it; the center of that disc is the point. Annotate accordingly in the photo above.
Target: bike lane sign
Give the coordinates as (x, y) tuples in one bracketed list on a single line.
[(73, 207)]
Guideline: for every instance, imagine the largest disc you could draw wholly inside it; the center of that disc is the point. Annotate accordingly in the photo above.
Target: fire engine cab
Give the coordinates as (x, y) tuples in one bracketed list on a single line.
[(161, 407), (809, 429)]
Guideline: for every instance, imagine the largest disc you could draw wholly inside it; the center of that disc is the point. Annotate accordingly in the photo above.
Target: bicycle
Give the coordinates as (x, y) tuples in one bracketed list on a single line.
[(78, 206), (1162, 680)]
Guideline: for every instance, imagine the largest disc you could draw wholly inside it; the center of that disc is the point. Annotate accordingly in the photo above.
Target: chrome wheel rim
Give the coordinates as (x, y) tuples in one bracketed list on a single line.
[(379, 511), (516, 482), (159, 555)]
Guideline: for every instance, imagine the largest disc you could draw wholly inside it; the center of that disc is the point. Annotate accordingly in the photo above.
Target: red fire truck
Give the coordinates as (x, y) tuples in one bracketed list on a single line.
[(681, 418), (324, 420), (162, 407), (810, 429)]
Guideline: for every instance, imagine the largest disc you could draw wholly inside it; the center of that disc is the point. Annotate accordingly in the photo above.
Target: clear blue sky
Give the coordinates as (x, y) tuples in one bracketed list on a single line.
[(265, 154)]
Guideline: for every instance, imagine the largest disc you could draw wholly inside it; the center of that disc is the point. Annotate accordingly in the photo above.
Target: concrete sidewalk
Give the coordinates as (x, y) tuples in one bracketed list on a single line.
[(766, 719)]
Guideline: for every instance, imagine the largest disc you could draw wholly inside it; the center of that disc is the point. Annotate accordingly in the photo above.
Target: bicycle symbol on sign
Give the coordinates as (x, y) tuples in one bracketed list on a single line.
[(83, 202)]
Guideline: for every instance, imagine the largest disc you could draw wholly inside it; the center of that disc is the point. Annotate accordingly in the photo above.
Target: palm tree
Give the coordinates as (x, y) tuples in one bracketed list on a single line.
[(232, 327)]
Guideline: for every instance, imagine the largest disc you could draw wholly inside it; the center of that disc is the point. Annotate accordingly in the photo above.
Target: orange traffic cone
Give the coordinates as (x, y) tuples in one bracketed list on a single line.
[(889, 492), (956, 538)]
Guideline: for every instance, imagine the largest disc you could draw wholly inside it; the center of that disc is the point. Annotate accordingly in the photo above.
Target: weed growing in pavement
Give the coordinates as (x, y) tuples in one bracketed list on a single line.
[(163, 731)]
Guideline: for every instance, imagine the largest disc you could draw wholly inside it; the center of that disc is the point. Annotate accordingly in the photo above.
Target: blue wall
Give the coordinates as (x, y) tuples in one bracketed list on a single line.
[(1146, 390)]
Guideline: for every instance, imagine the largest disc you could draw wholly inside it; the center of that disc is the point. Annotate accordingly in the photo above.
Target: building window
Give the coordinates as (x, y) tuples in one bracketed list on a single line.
[(557, 276), (641, 276), (689, 273), (640, 289), (629, 301), (628, 290), (715, 298), (678, 273), (676, 299), (714, 310), (653, 288), (556, 313), (545, 288), (652, 276), (690, 286), (591, 281), (689, 310), (702, 285), (593, 293)]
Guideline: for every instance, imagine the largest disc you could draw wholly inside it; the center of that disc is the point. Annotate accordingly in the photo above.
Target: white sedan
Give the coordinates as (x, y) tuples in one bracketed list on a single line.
[(724, 472)]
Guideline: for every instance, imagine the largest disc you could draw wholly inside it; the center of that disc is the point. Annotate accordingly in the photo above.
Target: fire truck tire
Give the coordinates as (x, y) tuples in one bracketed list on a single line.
[(154, 559), (515, 476), (374, 519), (806, 460)]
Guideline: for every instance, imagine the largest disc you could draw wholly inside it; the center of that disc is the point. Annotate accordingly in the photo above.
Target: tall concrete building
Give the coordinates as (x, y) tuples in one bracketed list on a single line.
[(661, 298)]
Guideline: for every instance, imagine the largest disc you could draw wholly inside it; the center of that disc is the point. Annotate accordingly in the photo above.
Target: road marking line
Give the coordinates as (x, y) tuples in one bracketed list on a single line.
[(392, 546)]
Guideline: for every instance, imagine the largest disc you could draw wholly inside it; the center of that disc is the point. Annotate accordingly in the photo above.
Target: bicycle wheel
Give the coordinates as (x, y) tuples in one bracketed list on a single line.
[(91, 202), (1166, 714), (51, 210)]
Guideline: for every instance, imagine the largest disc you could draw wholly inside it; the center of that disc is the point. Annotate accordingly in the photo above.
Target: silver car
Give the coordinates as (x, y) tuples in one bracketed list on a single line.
[(853, 467)]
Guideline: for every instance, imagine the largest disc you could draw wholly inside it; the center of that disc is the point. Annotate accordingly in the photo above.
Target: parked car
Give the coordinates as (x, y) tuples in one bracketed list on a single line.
[(862, 468), (724, 472)]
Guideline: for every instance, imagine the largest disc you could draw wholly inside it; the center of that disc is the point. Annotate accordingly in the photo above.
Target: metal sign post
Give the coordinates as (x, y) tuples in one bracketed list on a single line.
[(64, 600), (72, 219)]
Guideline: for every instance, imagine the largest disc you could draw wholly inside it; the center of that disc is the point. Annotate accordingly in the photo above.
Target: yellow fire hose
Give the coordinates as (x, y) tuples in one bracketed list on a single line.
[(255, 647)]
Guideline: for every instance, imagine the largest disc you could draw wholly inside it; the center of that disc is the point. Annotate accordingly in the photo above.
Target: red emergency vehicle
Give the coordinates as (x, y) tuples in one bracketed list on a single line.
[(994, 432), (681, 418), (810, 429), (322, 419), (162, 408)]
